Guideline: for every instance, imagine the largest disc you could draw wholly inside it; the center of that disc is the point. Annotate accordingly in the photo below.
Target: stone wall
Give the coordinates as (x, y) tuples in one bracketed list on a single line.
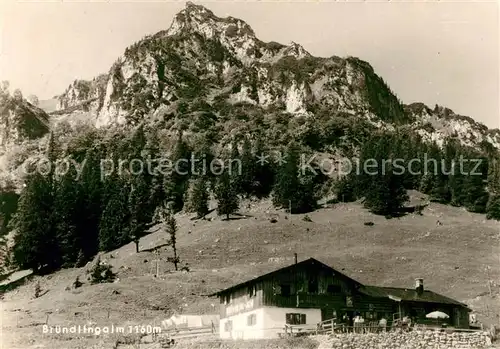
[(409, 340)]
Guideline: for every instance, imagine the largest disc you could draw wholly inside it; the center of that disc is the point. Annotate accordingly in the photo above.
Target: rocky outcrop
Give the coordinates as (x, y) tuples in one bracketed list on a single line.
[(84, 95), (20, 120), (440, 123)]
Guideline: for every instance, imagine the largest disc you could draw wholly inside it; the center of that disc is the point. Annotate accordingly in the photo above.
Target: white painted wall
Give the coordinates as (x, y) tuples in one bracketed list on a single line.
[(240, 329), (270, 322), (275, 319)]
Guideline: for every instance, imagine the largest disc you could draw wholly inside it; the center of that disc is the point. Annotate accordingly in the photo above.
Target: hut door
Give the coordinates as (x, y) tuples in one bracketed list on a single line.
[(456, 317), (328, 314)]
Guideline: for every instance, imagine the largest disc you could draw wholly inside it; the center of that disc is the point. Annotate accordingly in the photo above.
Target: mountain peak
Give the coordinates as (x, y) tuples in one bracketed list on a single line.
[(197, 18), (191, 7), (296, 50)]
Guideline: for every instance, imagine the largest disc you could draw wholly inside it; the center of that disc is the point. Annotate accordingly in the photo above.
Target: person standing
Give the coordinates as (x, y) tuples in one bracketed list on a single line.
[(358, 323), (382, 324)]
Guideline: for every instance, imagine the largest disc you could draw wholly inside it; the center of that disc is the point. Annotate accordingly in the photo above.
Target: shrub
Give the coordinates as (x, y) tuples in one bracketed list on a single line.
[(101, 273), (38, 289), (77, 283), (493, 208)]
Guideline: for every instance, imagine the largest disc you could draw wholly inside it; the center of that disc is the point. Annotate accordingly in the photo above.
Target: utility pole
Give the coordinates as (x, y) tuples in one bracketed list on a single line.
[(489, 279), (157, 263), (296, 283)]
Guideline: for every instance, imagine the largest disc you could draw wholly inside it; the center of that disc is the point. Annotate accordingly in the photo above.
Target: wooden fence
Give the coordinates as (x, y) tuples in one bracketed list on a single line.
[(297, 330), (330, 327), (191, 332)]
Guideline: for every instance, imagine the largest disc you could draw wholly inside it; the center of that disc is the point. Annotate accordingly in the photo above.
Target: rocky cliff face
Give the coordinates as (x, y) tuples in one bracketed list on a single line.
[(22, 126), (20, 121), (439, 123), (220, 60), (87, 95), (202, 55)]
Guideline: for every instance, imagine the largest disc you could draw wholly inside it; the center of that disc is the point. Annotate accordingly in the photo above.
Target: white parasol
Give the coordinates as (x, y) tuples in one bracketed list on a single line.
[(437, 315)]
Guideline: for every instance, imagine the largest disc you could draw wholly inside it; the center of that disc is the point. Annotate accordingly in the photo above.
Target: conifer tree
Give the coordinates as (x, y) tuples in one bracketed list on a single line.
[(171, 227), (80, 259), (493, 206), (227, 198), (494, 174), (176, 184), (154, 175), (203, 156), (436, 180), (413, 153), (51, 154), (169, 224), (198, 197), (476, 197), (345, 189), (146, 190), (114, 223), (137, 143), (35, 243), (457, 182), (140, 213), (383, 189), (8, 206), (66, 212), (289, 191), (386, 195), (287, 180), (451, 157), (233, 159), (264, 176), (4, 254), (248, 173), (91, 202)]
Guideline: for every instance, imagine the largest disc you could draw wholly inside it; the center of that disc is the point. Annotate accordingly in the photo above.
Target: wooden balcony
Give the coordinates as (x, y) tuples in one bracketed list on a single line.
[(304, 300)]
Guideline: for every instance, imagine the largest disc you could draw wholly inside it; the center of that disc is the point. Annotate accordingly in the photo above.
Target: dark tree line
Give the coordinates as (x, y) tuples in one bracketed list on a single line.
[(63, 221), (452, 174)]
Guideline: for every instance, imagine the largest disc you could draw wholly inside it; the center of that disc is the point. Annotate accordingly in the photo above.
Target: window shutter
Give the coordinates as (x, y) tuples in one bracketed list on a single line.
[(251, 320), (302, 319)]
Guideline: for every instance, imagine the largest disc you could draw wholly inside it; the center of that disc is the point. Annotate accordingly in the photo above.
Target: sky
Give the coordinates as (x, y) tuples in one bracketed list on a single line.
[(436, 52)]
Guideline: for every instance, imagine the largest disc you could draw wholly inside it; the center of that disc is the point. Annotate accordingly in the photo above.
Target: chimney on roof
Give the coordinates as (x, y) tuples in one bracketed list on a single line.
[(419, 286), (295, 257)]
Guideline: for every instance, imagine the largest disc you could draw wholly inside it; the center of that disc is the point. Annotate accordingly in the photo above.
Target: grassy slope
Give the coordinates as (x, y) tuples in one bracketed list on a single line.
[(451, 258)]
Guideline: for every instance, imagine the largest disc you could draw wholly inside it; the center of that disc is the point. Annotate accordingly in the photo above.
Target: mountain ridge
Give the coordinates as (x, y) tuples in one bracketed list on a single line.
[(212, 77), (203, 56)]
